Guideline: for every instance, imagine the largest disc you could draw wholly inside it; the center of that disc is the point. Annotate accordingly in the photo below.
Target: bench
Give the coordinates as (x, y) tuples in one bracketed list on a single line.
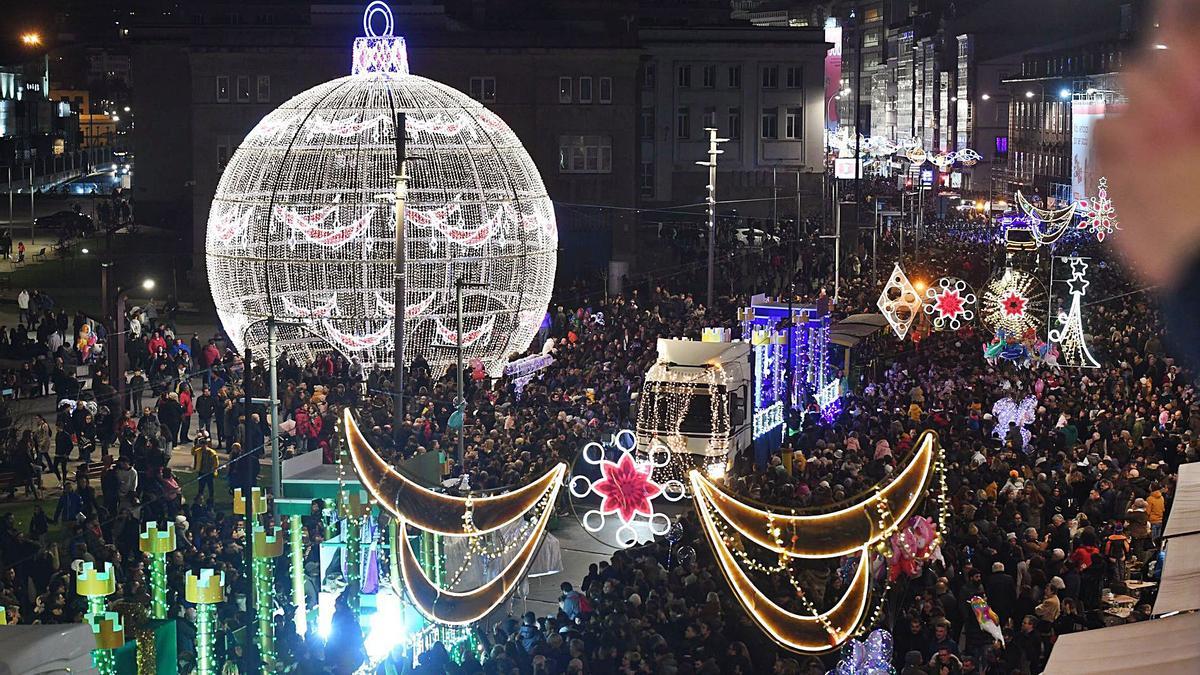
[(10, 482), (40, 254)]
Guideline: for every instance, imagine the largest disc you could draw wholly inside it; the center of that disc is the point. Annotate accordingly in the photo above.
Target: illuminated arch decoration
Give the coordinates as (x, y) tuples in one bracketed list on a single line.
[(1012, 302), (1047, 225), (626, 490), (949, 303), (1099, 217), (1069, 335), (302, 227), (448, 516), (899, 302), (1007, 410), (433, 511), (814, 632)]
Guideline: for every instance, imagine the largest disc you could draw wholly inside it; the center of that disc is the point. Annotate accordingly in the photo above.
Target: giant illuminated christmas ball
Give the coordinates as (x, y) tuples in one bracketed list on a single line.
[(303, 224)]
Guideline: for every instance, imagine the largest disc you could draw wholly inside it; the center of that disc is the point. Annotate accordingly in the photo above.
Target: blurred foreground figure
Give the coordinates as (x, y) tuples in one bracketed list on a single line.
[(1151, 156)]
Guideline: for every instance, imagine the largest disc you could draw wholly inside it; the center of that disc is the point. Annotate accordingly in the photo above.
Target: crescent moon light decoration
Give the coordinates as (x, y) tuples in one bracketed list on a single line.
[(871, 521), (1057, 221), (829, 535), (447, 516), (428, 510)]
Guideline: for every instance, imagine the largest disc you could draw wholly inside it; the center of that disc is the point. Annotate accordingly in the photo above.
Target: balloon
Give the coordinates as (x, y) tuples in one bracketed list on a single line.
[(687, 555), (675, 532)]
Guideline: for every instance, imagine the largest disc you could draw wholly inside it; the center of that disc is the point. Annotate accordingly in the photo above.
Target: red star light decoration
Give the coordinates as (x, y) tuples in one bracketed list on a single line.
[(1013, 304), (626, 488), (1099, 216), (949, 302)]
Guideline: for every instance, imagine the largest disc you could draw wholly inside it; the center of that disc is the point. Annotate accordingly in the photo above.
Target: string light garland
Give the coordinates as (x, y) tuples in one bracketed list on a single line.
[(301, 229), (1069, 335), (626, 489), (156, 544), (832, 534), (1009, 301), (899, 302), (667, 395), (205, 590), (949, 303), (107, 629), (1098, 216), (465, 607)]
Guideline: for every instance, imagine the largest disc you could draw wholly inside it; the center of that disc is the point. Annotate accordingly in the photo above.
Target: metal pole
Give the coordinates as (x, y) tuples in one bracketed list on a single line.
[(31, 208), (797, 234), (276, 459), (858, 68), (10, 198), (248, 455), (874, 250), (712, 211), (837, 243), (462, 402), (401, 294)]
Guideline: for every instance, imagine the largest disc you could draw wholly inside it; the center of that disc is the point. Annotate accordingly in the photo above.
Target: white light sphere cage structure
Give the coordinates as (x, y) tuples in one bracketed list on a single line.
[(303, 224)]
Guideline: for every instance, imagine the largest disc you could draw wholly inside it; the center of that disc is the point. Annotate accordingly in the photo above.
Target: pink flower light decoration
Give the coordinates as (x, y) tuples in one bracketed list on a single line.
[(626, 488)]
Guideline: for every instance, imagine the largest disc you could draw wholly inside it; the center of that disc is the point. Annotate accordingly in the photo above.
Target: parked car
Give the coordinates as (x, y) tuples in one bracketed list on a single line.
[(68, 223)]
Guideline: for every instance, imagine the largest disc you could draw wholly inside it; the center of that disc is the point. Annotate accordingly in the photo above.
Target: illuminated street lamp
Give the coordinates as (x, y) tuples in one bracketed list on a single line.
[(31, 39)]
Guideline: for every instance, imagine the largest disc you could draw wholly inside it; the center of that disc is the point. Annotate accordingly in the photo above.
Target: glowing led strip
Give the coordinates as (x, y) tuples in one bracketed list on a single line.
[(830, 534), (807, 634), (460, 608), (433, 511)]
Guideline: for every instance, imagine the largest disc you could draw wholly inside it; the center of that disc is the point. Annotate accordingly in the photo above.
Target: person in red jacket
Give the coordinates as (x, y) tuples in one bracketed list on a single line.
[(185, 402)]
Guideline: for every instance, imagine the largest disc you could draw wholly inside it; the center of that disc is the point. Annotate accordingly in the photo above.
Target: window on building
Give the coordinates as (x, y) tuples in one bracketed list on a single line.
[(646, 179), (685, 77), (648, 74), (770, 77), (647, 123), (606, 90), (710, 77), (735, 77), (735, 123), (795, 77), (871, 15), (564, 90), (770, 123), (794, 123), (263, 90), (870, 39), (683, 123), (222, 89), (1002, 145), (585, 154), (710, 118), (483, 89), (243, 88), (585, 90)]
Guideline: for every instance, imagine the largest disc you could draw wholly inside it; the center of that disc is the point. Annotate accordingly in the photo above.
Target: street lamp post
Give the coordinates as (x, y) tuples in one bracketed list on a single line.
[(113, 308), (711, 200)]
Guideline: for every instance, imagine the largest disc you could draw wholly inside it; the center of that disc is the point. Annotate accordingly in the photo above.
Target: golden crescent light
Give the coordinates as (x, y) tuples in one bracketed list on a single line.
[(833, 534), (817, 634), (433, 511), (464, 607)]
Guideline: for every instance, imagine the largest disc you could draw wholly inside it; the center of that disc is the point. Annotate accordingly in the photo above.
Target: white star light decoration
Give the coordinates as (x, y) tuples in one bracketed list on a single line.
[(899, 302), (1007, 410), (626, 490), (1070, 335), (949, 303), (1010, 302), (1098, 215)]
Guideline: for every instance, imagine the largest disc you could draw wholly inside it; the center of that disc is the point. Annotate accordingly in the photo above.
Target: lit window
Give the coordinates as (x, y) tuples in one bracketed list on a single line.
[(585, 154), (483, 89)]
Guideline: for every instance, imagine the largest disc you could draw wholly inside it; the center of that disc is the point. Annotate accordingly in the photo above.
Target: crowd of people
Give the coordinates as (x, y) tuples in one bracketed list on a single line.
[(1041, 532)]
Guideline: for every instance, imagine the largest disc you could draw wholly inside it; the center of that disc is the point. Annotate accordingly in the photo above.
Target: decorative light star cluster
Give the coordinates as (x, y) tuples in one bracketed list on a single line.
[(1010, 302), (899, 302), (1099, 217), (302, 226), (1070, 334), (1007, 410), (626, 489), (949, 303)]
